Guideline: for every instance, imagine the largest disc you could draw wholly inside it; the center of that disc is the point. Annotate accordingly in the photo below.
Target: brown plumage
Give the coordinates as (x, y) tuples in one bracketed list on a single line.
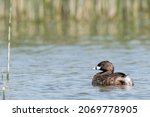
[(108, 77)]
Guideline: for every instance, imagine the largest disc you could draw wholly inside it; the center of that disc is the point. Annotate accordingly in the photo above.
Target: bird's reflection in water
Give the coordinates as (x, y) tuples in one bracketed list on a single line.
[(112, 88)]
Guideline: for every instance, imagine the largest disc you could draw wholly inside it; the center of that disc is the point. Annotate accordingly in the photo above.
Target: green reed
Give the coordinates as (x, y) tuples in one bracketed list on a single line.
[(9, 39)]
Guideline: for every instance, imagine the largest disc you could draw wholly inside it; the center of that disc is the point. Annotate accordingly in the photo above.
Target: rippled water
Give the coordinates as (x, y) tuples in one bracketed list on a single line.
[(64, 71)]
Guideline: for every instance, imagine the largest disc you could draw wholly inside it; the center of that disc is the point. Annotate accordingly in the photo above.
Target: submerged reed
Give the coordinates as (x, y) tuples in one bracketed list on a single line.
[(9, 38), (3, 89)]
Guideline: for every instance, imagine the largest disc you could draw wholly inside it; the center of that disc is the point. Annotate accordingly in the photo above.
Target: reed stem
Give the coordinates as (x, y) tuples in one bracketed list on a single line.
[(9, 38), (3, 89)]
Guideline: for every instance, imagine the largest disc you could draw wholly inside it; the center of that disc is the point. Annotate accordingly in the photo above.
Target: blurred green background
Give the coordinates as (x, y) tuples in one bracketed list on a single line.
[(65, 21)]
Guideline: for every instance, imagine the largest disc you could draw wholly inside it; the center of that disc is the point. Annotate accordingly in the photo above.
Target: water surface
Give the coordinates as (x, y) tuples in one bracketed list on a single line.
[(64, 71)]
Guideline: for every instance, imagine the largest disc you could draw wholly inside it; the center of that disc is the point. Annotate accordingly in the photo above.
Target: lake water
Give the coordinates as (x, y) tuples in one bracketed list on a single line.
[(64, 70)]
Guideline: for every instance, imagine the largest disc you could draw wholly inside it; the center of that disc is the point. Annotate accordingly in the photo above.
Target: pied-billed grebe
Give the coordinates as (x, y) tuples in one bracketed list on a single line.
[(108, 77)]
